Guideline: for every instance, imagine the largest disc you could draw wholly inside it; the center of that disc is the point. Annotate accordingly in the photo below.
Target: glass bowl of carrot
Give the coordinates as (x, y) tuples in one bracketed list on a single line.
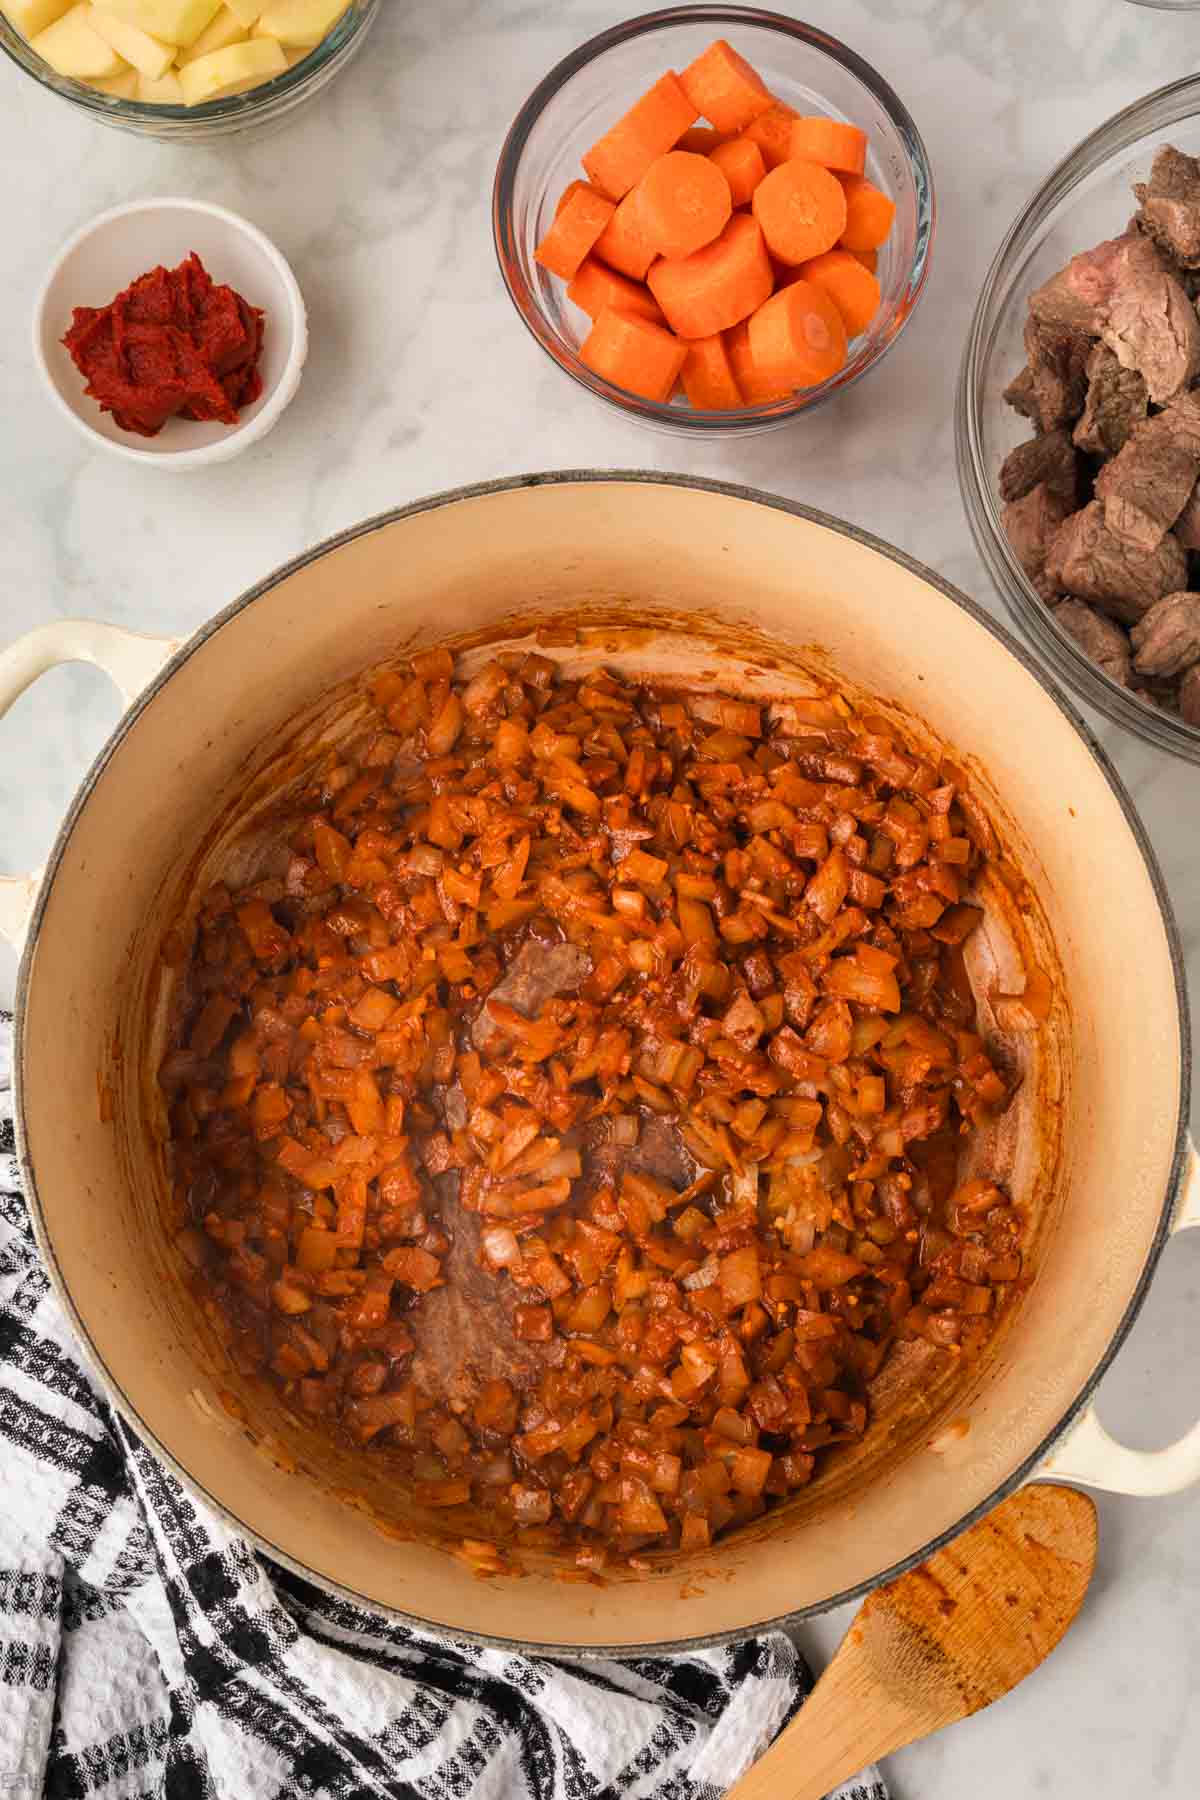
[(714, 218)]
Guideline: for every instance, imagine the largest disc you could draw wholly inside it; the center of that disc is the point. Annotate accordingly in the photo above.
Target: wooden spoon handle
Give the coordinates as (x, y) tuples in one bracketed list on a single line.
[(845, 1723), (938, 1643)]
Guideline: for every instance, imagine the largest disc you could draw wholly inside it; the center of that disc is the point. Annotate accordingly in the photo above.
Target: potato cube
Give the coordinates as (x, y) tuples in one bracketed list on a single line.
[(166, 91), (174, 21), (245, 11), (231, 71), (299, 23), (72, 48), (148, 55), (32, 16), (223, 31), (119, 87)]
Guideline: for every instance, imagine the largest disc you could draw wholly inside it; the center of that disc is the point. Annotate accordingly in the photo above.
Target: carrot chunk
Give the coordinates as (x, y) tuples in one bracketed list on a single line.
[(595, 289), (702, 139), (798, 336), (801, 209), (708, 379), (741, 163), (623, 243), (574, 187), (852, 288), (831, 143), (757, 387), (617, 161), (869, 214), (772, 132), (683, 203), (716, 286), (575, 229), (724, 88), (634, 354)]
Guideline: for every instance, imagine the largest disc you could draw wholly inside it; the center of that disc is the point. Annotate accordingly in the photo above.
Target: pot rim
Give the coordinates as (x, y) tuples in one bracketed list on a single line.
[(560, 478)]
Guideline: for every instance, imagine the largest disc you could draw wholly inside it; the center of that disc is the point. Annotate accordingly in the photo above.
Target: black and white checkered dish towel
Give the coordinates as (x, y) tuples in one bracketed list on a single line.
[(145, 1650)]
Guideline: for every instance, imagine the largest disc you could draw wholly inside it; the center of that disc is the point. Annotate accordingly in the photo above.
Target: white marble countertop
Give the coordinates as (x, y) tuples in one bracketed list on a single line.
[(379, 196)]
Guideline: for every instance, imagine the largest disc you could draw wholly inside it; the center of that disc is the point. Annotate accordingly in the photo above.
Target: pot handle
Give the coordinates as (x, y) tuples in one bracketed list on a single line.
[(1089, 1455), (129, 659)]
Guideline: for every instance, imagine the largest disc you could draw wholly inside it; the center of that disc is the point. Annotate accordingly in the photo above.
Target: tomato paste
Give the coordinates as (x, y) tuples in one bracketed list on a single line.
[(174, 344)]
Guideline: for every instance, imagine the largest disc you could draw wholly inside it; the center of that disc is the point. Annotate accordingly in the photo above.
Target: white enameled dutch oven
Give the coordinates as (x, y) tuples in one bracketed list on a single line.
[(665, 576)]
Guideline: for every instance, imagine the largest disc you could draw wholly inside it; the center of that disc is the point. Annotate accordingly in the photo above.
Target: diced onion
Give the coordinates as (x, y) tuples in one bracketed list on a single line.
[(500, 1246), (574, 1102)]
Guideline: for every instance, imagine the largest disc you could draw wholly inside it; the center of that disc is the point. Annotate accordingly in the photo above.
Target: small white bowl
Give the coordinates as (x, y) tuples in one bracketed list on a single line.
[(105, 256)]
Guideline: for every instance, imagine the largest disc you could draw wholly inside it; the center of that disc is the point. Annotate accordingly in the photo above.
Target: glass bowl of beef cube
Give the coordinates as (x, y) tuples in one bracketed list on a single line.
[(1078, 419)]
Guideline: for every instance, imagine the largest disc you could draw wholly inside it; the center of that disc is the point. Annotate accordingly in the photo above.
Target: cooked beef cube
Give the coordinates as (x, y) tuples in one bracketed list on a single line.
[(1030, 524), (1021, 395), (1187, 525), (1153, 327), (1079, 296), (1189, 695), (908, 1372), (1090, 562), (1171, 205), (465, 1332), (1049, 460), (1167, 639), (1145, 495), (1058, 361), (540, 972), (1188, 279), (1159, 693), (659, 1152), (455, 1108), (1123, 292), (1147, 485), (1184, 415), (1097, 637), (1116, 401)]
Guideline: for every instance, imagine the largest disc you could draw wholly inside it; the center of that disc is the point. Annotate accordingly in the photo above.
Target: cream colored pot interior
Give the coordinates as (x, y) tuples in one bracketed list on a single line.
[(721, 588)]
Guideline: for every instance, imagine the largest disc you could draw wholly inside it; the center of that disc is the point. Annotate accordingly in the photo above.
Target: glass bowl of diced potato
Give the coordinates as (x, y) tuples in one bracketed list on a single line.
[(185, 70)]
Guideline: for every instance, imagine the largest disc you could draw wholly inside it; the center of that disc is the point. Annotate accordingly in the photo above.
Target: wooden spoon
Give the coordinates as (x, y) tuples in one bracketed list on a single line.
[(939, 1644)]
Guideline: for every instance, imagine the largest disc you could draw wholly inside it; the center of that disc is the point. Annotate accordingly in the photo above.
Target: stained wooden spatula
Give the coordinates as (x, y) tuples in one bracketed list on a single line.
[(939, 1644)]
